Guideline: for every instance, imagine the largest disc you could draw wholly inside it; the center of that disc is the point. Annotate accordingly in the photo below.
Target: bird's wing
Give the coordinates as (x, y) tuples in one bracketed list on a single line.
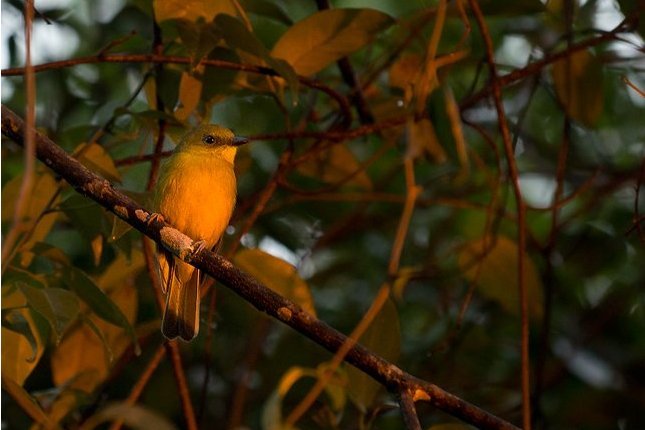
[(165, 268)]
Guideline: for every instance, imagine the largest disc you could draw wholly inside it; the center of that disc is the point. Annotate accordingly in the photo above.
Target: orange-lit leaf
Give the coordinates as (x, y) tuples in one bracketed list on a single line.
[(422, 140), (336, 165), (578, 85), (191, 10), (96, 158), (81, 359), (133, 416), (404, 71), (276, 274), (190, 90), (42, 193), (324, 37)]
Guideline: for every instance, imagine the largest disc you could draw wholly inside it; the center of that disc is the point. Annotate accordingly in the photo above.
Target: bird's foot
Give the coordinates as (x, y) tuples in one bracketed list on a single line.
[(199, 246), (155, 217)]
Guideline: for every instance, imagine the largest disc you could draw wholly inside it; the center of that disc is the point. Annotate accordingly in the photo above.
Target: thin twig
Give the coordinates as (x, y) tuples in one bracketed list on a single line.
[(24, 193), (172, 350), (521, 213), (633, 86), (413, 192), (246, 369), (143, 380), (550, 279), (342, 102), (349, 76), (637, 218), (157, 49), (410, 417), (426, 79), (410, 35), (537, 66)]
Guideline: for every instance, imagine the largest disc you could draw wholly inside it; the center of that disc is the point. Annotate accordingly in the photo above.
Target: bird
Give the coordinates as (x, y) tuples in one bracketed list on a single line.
[(195, 193)]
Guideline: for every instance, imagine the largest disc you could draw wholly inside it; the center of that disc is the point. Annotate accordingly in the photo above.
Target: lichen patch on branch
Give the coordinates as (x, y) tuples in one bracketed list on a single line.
[(121, 211), (177, 242)]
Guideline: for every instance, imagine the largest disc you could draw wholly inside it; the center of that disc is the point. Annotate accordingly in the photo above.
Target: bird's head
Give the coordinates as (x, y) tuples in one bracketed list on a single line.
[(211, 139)]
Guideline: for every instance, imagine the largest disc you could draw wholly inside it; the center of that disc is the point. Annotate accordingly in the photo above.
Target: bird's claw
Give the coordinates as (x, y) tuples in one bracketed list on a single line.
[(155, 217), (199, 246)]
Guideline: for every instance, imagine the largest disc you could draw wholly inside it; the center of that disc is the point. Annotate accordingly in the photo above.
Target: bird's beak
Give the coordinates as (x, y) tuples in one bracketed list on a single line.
[(239, 140)]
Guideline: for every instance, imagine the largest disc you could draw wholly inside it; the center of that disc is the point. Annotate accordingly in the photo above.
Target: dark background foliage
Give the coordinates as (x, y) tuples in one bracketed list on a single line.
[(327, 194)]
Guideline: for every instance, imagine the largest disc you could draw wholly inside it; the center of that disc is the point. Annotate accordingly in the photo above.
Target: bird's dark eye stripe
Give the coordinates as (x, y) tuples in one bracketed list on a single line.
[(208, 139)]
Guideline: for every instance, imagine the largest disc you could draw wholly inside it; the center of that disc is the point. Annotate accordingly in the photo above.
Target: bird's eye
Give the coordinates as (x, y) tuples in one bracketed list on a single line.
[(208, 139)]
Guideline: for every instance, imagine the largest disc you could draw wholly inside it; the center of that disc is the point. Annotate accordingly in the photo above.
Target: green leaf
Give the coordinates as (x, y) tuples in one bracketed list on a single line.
[(237, 36), (168, 90), (495, 273), (382, 337), (15, 276), (50, 252), (578, 85), (59, 307), (218, 81), (276, 274), (89, 219), (99, 302), (107, 348), (200, 38), (327, 36), (23, 343), (267, 9)]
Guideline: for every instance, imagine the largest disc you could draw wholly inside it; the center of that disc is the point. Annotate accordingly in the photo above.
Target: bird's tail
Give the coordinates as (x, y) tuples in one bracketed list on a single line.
[(181, 316)]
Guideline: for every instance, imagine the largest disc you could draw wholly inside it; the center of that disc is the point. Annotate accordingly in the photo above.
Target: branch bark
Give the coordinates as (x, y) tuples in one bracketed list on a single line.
[(264, 299)]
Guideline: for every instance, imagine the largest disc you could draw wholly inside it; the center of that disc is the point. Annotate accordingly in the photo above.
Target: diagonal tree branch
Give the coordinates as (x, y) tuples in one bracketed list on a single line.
[(264, 299)]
